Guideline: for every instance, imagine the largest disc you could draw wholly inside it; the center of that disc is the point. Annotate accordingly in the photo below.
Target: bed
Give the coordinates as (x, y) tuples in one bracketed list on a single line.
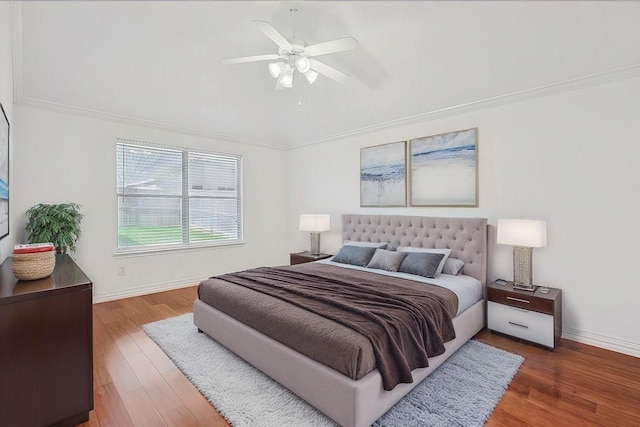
[(355, 399)]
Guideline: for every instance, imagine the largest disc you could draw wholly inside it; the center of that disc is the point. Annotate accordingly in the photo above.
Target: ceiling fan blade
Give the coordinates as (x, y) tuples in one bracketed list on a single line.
[(273, 34), (328, 71), (333, 46), (267, 57)]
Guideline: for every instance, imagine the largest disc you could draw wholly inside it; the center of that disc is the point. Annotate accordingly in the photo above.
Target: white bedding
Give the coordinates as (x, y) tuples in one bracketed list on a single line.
[(467, 288)]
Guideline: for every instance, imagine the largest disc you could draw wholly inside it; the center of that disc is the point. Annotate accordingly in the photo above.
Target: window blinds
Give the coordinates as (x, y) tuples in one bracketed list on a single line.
[(176, 197)]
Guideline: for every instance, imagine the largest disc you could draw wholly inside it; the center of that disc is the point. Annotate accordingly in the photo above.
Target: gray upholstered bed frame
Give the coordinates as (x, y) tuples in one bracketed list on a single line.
[(349, 402)]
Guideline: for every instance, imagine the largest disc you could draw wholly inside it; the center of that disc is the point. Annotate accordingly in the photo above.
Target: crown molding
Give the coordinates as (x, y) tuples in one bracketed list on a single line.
[(524, 95), (497, 101), (120, 118), (20, 99)]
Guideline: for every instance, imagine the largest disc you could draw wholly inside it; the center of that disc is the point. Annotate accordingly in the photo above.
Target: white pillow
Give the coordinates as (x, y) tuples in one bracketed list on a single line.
[(378, 245), (445, 252)]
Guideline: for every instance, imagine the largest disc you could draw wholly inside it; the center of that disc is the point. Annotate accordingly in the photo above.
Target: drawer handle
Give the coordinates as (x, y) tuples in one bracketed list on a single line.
[(518, 324), (518, 299)]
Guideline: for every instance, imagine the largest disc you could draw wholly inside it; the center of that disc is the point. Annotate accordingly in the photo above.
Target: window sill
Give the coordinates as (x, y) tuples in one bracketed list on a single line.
[(159, 250)]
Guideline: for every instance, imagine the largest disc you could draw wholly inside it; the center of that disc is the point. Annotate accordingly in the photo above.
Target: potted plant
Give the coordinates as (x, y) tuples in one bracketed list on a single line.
[(58, 224)]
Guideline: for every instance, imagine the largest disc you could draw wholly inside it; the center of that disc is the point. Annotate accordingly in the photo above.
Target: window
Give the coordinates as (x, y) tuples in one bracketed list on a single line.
[(176, 198)]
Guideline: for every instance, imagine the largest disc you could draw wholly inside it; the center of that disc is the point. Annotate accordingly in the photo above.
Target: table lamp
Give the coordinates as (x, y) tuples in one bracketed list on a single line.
[(523, 235), (315, 223)]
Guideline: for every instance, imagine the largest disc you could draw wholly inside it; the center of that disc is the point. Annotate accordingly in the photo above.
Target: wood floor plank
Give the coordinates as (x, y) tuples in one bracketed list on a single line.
[(200, 407), (181, 417), (141, 409), (137, 384), (155, 355), (109, 408), (162, 395), (123, 376), (568, 386)]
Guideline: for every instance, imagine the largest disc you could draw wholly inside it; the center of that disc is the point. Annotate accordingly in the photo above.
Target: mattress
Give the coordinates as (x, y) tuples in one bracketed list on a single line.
[(321, 339)]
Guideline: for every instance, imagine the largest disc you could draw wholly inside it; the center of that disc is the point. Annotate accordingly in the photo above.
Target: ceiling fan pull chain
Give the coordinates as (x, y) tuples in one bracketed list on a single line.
[(299, 91)]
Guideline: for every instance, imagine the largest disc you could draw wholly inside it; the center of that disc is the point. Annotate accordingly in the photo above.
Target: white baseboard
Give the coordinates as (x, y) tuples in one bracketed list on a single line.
[(610, 343), (145, 290)]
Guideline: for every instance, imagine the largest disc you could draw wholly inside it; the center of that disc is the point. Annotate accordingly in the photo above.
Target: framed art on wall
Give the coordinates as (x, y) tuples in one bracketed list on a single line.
[(444, 169), (4, 175), (383, 171)]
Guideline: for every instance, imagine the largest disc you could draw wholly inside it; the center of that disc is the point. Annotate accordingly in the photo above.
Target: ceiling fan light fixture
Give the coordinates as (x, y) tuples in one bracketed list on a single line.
[(297, 56), (311, 76), (286, 79), (276, 68), (303, 64)]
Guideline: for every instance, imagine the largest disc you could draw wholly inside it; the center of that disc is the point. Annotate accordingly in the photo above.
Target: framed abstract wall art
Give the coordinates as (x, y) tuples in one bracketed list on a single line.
[(444, 169), (383, 172), (4, 175)]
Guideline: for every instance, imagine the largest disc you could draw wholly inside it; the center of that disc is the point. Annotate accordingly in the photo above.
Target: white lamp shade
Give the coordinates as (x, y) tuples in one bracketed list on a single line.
[(286, 78), (311, 76), (303, 64), (315, 222), (276, 68), (522, 232)]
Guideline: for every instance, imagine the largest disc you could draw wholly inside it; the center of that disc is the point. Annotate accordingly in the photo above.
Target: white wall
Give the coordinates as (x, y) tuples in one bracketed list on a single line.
[(6, 98), (568, 158), (61, 158)]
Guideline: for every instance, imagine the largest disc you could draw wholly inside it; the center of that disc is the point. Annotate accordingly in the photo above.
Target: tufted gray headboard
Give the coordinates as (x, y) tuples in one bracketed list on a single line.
[(466, 237)]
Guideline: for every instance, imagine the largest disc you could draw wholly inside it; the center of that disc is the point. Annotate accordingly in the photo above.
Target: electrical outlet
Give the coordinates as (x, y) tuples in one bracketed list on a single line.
[(122, 271)]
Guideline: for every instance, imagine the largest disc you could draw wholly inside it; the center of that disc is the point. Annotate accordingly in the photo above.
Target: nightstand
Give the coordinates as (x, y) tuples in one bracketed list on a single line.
[(531, 316), (302, 257)]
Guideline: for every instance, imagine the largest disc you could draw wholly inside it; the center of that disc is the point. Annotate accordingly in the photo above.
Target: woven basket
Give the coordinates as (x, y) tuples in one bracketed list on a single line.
[(33, 266)]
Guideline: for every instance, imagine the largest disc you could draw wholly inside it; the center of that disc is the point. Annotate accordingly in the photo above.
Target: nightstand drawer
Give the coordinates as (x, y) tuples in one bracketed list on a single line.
[(521, 300), (526, 324)]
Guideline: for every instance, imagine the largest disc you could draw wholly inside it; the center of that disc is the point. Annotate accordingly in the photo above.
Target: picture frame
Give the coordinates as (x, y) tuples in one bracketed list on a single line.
[(383, 175), (444, 169), (4, 174)]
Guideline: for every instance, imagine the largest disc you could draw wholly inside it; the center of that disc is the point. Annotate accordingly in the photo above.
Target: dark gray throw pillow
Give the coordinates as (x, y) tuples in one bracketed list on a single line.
[(421, 264), (386, 260), (354, 255)]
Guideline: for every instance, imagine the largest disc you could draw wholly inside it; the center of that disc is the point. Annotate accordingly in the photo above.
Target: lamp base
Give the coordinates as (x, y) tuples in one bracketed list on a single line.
[(530, 288), (522, 268), (315, 243)]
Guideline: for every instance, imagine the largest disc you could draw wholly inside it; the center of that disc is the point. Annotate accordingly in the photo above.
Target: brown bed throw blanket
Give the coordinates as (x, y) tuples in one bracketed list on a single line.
[(405, 325)]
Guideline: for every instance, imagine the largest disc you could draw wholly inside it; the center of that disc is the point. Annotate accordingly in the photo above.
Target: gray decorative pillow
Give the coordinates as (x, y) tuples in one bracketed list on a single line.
[(421, 263), (386, 260), (453, 266), (354, 255), (445, 252)]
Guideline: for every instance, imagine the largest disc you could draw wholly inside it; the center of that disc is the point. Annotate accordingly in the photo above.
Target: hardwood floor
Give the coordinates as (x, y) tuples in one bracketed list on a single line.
[(135, 384)]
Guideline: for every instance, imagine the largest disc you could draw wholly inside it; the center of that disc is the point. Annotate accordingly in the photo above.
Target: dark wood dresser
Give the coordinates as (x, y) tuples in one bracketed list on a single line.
[(46, 347)]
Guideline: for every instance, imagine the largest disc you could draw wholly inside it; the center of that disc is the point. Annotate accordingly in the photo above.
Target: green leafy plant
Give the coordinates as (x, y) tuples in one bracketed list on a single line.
[(58, 224)]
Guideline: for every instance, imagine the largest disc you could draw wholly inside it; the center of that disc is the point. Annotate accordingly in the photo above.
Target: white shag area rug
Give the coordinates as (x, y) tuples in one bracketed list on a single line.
[(463, 391)]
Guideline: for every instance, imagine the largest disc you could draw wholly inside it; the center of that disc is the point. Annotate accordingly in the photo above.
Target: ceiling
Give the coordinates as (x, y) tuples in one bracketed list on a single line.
[(160, 62)]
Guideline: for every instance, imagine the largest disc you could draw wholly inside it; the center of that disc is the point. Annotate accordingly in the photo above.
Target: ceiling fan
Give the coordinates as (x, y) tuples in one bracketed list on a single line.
[(297, 56)]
